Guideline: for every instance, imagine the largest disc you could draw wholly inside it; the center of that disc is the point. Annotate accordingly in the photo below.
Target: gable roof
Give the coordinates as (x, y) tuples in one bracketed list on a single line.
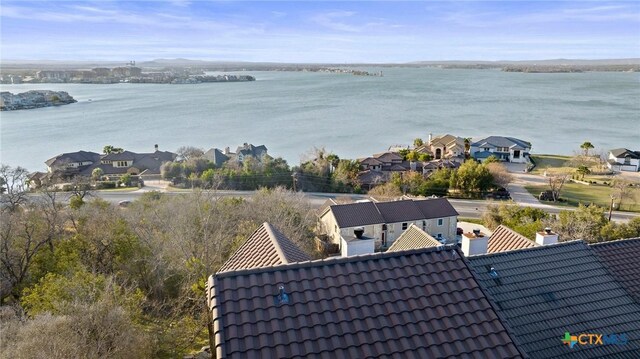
[(500, 141), (387, 157), (447, 140), (266, 247), (505, 239), (413, 304), (413, 238), (216, 156), (545, 291), (622, 152), (366, 213), (621, 257)]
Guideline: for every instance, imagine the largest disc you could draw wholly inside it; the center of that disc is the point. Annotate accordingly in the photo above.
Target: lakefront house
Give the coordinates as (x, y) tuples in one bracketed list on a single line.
[(507, 149), (622, 159)]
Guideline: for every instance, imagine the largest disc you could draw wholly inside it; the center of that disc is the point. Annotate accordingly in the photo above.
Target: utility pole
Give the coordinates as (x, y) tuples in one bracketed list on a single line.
[(294, 176), (611, 207)]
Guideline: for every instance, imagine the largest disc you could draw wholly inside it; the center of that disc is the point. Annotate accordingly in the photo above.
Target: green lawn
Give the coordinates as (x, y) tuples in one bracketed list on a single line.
[(552, 162), (576, 193)]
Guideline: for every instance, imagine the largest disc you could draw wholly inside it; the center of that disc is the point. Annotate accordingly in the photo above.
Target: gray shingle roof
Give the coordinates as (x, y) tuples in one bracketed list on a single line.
[(266, 247), (411, 304), (500, 141), (622, 258), (70, 157), (366, 213), (622, 152), (545, 291), (413, 238), (505, 239)]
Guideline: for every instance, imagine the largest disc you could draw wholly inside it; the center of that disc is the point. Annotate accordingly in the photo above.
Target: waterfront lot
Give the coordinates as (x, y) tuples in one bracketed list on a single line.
[(575, 193)]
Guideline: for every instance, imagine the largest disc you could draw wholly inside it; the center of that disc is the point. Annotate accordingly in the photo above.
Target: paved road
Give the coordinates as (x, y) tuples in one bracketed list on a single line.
[(466, 208)]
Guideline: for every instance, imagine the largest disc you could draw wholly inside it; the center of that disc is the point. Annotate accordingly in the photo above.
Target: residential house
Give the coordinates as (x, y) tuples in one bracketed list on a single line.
[(506, 149), (622, 159), (72, 163), (421, 303), (434, 165), (247, 149), (621, 257), (547, 291), (83, 163), (386, 221), (266, 247), (127, 162), (446, 146), (217, 157)]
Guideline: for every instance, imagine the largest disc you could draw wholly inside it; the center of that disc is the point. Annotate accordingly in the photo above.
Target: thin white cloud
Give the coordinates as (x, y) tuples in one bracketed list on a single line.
[(331, 21)]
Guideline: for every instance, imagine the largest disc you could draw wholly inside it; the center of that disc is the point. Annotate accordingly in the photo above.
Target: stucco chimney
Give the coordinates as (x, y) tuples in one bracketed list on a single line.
[(474, 243), (430, 138), (156, 146), (226, 150), (546, 237)]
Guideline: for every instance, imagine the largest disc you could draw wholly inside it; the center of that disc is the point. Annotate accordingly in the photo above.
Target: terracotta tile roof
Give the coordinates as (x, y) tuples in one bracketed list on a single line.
[(413, 304), (413, 238), (621, 257), (266, 247), (365, 213), (505, 239), (545, 291)]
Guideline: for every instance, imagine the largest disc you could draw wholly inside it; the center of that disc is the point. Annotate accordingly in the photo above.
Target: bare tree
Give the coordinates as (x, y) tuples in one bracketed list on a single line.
[(556, 182), (622, 191), (186, 153), (501, 176), (13, 186)]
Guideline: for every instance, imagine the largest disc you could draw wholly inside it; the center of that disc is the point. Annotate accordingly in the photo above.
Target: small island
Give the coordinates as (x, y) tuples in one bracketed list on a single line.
[(34, 99)]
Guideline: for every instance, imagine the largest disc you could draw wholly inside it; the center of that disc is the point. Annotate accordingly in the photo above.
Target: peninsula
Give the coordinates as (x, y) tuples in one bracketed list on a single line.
[(34, 99)]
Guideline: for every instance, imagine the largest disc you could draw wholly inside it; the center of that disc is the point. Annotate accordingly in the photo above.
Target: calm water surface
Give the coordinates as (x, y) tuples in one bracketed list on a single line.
[(353, 116)]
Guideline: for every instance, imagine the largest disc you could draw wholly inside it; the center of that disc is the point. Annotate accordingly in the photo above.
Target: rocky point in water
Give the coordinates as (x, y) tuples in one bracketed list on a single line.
[(34, 99)]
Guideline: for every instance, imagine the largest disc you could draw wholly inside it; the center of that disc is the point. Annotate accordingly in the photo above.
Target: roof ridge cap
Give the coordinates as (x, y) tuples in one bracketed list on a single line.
[(332, 260), (518, 234), (274, 241), (566, 243)]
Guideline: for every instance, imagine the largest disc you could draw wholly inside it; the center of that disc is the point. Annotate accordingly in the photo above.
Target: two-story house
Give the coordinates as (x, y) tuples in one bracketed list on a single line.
[(446, 146), (506, 149), (386, 221), (622, 159)]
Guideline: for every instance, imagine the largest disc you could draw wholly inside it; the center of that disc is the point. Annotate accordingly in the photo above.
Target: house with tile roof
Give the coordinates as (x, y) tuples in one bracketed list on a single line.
[(386, 221), (505, 239), (544, 292), (413, 238), (621, 257), (447, 146), (422, 303), (266, 247), (622, 159), (507, 149)]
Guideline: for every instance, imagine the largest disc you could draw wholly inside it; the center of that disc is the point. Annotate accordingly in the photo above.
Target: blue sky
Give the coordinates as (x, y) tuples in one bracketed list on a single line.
[(305, 31)]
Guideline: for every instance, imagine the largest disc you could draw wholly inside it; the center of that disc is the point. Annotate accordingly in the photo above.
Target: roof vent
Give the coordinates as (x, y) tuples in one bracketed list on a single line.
[(493, 273), (282, 297)]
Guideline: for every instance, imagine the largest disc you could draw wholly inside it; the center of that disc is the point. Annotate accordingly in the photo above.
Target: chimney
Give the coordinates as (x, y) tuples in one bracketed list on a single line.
[(474, 243), (226, 150), (156, 146), (430, 138), (358, 232), (546, 237)]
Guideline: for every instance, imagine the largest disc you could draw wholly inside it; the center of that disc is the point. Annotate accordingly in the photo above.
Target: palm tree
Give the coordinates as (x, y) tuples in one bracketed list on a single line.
[(586, 146)]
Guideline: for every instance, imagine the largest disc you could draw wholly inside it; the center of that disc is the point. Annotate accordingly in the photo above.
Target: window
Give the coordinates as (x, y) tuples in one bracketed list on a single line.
[(404, 226), (627, 160), (440, 221), (516, 154)]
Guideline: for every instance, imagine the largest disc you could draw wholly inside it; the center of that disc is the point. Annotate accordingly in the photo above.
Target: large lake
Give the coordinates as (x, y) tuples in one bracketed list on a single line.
[(353, 116)]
